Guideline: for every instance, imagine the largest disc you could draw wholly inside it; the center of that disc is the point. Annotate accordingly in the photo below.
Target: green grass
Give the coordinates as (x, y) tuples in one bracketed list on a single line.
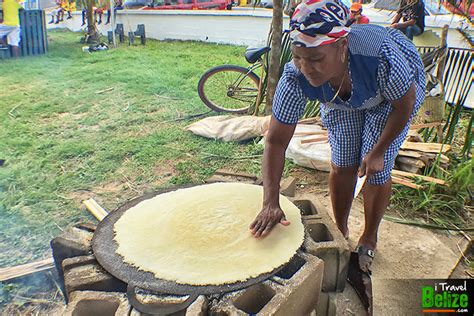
[(63, 142)]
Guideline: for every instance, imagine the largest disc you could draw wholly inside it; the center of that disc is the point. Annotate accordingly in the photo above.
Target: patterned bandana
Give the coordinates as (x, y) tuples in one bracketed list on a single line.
[(319, 22)]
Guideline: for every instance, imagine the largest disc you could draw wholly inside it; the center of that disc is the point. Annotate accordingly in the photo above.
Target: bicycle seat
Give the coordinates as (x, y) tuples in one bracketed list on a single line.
[(254, 54)]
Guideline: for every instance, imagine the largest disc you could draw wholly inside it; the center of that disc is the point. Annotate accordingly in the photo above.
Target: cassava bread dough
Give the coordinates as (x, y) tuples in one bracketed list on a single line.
[(201, 236)]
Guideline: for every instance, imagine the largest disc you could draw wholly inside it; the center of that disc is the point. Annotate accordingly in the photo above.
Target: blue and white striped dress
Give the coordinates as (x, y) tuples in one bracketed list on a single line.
[(383, 65)]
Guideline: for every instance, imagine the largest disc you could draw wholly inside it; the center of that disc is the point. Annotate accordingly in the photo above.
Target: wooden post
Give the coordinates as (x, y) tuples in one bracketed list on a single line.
[(440, 71), (275, 54)]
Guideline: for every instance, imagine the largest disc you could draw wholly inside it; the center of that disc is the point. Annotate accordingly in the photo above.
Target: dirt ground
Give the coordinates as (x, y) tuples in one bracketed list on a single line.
[(404, 253), (405, 256)]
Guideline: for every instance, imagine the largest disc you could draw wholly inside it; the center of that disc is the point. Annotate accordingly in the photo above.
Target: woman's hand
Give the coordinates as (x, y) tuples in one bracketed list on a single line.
[(372, 163), (266, 220)]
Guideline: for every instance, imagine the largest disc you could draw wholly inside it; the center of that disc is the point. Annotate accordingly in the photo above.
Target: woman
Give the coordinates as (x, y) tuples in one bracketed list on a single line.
[(370, 82)]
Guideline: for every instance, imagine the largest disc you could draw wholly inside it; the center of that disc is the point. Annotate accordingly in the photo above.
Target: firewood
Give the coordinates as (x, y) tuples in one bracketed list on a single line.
[(95, 209), (25, 269), (311, 120), (413, 175), (315, 140), (414, 154), (408, 168), (413, 136), (310, 133), (426, 147), (411, 161), (424, 125), (443, 158), (406, 183)]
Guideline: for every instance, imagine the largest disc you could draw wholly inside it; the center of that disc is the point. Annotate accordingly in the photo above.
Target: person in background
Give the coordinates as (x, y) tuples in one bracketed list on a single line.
[(118, 5), (412, 12), (356, 15), (11, 25)]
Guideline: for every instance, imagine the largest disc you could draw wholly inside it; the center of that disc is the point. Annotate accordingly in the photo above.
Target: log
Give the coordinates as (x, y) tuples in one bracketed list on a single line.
[(95, 209), (414, 175), (406, 183), (315, 140), (426, 147), (411, 161), (25, 269)]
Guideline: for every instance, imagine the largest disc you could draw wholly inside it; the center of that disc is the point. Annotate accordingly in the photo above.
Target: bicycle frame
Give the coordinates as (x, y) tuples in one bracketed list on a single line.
[(251, 68)]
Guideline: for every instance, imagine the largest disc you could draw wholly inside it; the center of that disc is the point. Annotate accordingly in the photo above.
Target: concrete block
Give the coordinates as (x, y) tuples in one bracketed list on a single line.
[(324, 240), (83, 273), (288, 187), (199, 307), (72, 242), (293, 291), (89, 303), (326, 305), (153, 299)]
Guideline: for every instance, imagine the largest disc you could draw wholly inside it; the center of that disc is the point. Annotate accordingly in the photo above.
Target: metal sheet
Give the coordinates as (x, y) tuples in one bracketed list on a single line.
[(104, 247)]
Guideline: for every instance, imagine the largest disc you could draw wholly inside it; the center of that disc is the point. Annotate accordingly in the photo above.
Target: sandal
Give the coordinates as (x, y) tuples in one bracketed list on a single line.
[(359, 275)]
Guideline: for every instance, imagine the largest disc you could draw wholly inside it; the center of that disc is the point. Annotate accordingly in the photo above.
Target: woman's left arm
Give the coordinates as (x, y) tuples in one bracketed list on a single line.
[(396, 122)]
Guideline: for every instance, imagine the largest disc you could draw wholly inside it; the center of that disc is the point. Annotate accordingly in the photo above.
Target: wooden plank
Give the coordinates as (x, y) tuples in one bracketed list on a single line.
[(23, 50), (311, 120), (410, 153), (406, 183), (425, 125), (426, 147), (310, 133), (25, 269), (95, 209), (414, 175), (29, 36), (411, 161), (315, 140), (443, 158), (408, 168)]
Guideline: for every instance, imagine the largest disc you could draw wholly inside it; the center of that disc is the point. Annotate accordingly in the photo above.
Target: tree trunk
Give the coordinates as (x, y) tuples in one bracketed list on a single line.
[(275, 54), (92, 32)]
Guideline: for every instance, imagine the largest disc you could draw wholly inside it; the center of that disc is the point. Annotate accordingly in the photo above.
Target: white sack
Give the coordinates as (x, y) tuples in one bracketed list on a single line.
[(230, 128)]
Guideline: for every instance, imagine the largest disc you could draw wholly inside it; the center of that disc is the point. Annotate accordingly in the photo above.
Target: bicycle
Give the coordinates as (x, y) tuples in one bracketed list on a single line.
[(243, 88)]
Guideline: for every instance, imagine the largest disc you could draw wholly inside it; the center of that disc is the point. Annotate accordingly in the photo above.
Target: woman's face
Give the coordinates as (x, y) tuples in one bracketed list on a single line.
[(319, 64)]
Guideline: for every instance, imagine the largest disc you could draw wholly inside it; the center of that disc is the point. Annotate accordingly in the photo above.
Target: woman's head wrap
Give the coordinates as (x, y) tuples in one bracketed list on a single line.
[(319, 22)]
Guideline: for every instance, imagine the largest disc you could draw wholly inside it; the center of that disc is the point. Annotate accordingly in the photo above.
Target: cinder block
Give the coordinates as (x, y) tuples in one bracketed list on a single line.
[(293, 291), (199, 307), (152, 299), (72, 242), (288, 187), (84, 273), (327, 304), (324, 240), (88, 303)]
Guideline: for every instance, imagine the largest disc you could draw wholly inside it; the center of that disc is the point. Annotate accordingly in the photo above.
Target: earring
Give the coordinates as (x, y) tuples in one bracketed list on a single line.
[(343, 57)]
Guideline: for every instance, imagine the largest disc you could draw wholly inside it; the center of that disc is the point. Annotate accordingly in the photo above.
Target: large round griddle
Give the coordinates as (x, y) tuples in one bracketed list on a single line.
[(104, 247)]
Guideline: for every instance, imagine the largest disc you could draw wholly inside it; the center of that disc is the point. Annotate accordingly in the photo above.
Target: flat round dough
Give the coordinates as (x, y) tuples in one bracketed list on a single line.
[(201, 236)]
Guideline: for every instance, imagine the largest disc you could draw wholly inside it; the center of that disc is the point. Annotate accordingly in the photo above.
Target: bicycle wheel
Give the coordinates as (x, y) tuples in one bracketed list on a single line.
[(228, 88)]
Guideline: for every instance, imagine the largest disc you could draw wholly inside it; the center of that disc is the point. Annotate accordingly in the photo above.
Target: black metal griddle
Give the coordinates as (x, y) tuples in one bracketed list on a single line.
[(104, 247)]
